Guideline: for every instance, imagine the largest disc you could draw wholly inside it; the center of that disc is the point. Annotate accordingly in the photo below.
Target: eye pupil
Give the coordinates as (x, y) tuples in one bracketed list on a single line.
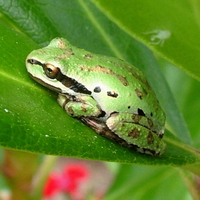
[(49, 70)]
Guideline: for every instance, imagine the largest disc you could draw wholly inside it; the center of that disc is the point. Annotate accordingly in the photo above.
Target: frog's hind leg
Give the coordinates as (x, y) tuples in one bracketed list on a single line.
[(136, 130), (102, 129)]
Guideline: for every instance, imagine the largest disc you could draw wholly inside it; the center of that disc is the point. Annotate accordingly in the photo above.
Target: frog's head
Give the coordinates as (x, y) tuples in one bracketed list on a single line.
[(44, 64)]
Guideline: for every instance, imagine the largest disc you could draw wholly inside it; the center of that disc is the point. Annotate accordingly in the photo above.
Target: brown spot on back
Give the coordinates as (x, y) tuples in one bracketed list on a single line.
[(134, 133), (150, 138), (136, 118), (61, 44), (100, 69), (67, 54), (150, 122), (88, 56), (138, 93)]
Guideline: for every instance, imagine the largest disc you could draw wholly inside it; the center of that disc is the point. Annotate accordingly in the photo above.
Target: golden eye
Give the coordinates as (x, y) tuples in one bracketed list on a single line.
[(51, 71)]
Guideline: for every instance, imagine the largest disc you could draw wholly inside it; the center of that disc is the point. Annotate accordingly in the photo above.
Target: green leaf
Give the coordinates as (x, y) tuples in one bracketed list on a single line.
[(145, 182), (188, 100), (30, 117), (30, 21), (168, 28)]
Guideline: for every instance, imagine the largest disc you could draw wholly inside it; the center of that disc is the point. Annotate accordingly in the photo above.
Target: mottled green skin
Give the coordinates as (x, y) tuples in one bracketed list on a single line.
[(117, 89)]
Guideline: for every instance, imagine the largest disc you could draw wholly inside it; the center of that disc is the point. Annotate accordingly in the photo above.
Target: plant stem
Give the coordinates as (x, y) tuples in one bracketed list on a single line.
[(42, 174)]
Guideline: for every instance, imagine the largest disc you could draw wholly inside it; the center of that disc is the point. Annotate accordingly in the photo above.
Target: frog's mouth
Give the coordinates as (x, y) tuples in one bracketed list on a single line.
[(56, 89)]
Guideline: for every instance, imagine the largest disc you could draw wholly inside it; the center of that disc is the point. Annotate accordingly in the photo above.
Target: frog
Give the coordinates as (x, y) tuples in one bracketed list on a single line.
[(106, 93)]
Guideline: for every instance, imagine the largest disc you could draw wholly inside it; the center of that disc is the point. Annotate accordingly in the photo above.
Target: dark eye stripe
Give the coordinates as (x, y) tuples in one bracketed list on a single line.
[(72, 84), (65, 80)]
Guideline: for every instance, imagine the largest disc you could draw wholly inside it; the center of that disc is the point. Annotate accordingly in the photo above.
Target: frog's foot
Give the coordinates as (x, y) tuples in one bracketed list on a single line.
[(79, 106)]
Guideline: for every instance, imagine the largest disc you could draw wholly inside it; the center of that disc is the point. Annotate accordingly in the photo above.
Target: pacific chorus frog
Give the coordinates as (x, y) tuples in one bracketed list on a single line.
[(108, 94)]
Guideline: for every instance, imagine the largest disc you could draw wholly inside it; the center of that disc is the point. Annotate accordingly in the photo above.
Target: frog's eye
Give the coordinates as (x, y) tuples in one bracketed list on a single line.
[(51, 71), (33, 62)]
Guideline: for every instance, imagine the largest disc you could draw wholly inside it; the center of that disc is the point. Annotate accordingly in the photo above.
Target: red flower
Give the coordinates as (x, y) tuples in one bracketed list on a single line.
[(68, 181), (52, 185)]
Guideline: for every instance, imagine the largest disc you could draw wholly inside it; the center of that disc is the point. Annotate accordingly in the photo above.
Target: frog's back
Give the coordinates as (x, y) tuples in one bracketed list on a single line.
[(116, 85)]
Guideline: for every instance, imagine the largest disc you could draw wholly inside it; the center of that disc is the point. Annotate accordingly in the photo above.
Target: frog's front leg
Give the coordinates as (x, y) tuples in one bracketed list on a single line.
[(136, 130), (80, 106)]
